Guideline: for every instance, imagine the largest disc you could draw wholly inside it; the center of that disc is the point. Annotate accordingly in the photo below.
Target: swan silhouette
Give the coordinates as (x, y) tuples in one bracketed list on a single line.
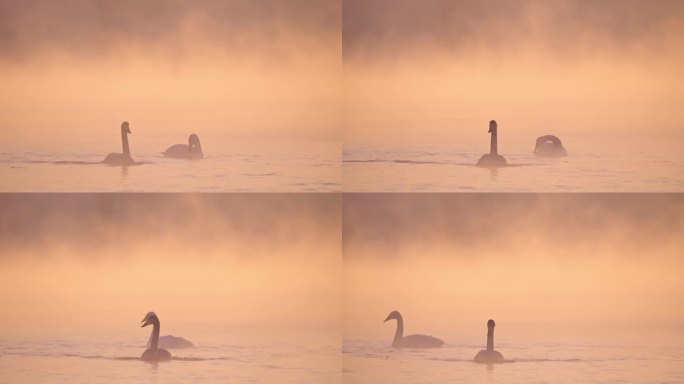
[(154, 353), (489, 355), (173, 342), (125, 157), (410, 341), (492, 159), (549, 146), (192, 150)]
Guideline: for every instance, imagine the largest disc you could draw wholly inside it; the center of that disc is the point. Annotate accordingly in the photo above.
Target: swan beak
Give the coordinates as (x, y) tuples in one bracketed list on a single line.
[(129, 130), (146, 322), (489, 130), (387, 319)]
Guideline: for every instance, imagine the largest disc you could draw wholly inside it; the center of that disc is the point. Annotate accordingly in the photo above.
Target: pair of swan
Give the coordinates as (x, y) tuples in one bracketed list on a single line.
[(155, 352), (192, 150), (486, 356), (546, 146)]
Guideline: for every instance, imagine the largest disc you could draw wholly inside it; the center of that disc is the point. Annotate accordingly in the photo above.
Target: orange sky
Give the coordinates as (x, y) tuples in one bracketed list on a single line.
[(440, 70), (223, 69), (548, 266), (371, 71), (240, 267)]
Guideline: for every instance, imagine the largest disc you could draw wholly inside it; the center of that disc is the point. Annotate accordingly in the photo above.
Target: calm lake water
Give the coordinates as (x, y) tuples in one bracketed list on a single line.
[(237, 167), (451, 168), (63, 360), (375, 362)]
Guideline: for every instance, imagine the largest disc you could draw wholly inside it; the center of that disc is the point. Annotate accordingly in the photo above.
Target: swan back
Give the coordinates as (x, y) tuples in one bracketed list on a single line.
[(549, 146), (489, 357), (174, 342), (191, 150), (155, 354), (421, 341)]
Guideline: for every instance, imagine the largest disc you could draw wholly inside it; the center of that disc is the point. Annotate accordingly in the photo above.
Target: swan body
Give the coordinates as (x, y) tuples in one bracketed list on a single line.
[(174, 342), (192, 150), (154, 353), (411, 341), (549, 146), (125, 157), (492, 159), (489, 355)]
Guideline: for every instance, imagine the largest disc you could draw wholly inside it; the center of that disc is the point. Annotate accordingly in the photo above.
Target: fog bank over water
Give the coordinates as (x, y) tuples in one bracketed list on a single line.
[(230, 69), (239, 267), (547, 267), (422, 71)]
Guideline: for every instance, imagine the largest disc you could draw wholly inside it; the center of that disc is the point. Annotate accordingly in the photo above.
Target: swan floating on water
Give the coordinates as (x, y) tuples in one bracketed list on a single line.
[(192, 150), (492, 159), (154, 353), (125, 157), (549, 146), (173, 342), (410, 341), (489, 355)]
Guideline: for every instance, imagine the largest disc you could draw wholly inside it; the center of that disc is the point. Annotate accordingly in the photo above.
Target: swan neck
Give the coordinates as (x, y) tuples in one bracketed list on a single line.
[(154, 338), (493, 146), (124, 142), (399, 334), (490, 339)]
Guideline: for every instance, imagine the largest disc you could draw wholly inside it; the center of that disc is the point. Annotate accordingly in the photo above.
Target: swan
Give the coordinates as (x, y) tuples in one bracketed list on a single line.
[(549, 146), (492, 159), (410, 341), (125, 157), (154, 353), (172, 342), (489, 355), (192, 150)]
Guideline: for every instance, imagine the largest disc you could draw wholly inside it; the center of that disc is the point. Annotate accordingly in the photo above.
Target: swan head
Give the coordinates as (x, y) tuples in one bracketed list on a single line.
[(492, 126), (394, 315), (150, 318), (125, 128), (193, 141), (491, 323)]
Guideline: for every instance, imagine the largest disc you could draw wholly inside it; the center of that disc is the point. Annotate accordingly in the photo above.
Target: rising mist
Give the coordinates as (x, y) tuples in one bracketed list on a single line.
[(252, 268), (596, 71), (547, 267), (72, 71)]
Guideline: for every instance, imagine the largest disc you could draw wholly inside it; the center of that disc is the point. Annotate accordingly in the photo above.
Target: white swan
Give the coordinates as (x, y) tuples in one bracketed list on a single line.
[(173, 342), (192, 150), (492, 159), (549, 146), (154, 353), (125, 157), (489, 355), (410, 341)]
